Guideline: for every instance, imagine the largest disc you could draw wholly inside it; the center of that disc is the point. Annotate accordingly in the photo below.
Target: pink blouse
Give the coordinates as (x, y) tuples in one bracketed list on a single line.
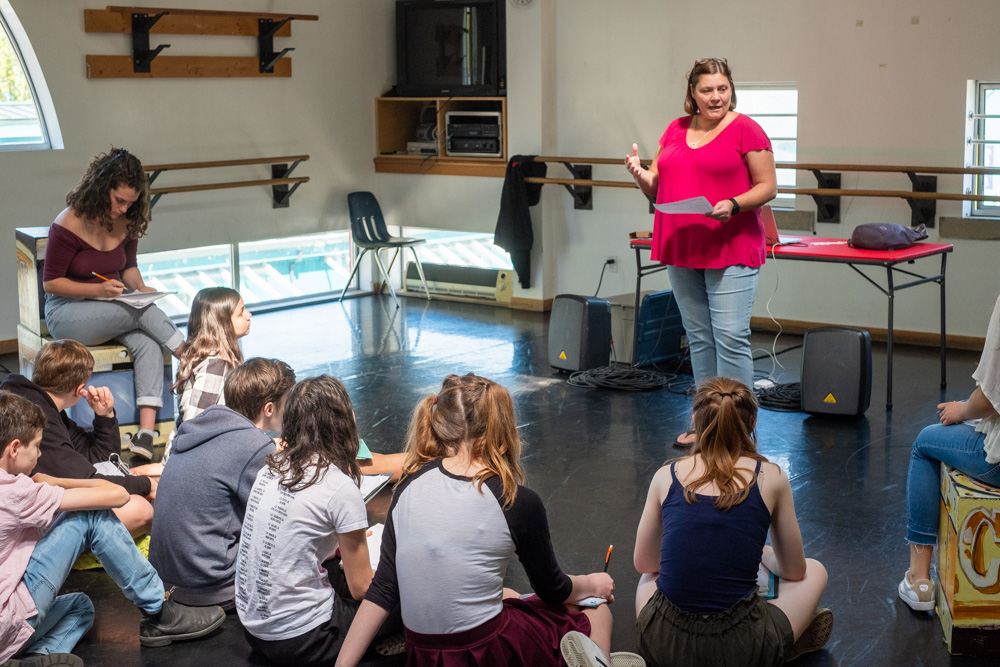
[(717, 170)]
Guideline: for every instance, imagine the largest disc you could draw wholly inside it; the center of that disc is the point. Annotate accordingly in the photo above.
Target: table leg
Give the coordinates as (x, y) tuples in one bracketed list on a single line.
[(888, 345), (635, 313), (944, 347)]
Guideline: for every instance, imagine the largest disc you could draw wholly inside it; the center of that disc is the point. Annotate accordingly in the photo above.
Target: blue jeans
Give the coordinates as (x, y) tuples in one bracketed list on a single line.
[(62, 620), (141, 330), (960, 447), (715, 307)]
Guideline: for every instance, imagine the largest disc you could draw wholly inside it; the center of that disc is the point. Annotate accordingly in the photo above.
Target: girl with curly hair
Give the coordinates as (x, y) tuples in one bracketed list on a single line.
[(96, 237)]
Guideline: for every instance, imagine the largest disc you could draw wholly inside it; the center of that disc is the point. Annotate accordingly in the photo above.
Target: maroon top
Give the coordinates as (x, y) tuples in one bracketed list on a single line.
[(69, 256)]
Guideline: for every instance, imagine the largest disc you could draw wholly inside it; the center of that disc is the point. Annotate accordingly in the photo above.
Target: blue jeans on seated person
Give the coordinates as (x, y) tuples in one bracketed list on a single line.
[(959, 446), (142, 330), (715, 307), (62, 620)]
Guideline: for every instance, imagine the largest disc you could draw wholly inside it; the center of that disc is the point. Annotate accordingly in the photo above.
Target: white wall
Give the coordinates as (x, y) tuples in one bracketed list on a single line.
[(326, 109), (586, 77), (887, 91)]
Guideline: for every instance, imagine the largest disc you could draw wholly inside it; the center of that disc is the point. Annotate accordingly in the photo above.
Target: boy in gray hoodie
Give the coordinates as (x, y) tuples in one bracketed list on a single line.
[(204, 489)]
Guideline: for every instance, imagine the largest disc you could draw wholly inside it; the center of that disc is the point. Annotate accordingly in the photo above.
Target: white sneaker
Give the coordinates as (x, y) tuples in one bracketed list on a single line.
[(919, 595), (579, 650)]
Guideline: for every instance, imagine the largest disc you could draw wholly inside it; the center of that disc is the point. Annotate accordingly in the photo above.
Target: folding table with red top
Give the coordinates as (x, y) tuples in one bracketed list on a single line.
[(836, 251)]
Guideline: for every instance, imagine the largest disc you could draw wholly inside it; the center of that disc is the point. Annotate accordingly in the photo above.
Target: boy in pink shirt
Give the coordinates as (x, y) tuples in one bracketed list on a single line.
[(45, 523)]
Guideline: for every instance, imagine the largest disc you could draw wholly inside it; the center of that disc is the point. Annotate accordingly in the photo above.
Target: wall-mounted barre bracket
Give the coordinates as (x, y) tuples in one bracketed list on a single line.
[(583, 195), (265, 43), (827, 206), (142, 56), (281, 194), (922, 211)]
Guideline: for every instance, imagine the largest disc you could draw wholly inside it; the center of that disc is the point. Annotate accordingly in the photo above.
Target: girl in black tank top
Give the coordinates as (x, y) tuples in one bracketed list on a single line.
[(701, 540)]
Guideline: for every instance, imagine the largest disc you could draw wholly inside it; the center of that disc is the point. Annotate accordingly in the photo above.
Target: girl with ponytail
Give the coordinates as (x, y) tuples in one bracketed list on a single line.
[(457, 518), (701, 540)]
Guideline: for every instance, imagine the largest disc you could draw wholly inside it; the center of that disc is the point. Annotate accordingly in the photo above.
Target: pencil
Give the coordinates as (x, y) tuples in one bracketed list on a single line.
[(95, 273), (607, 559)]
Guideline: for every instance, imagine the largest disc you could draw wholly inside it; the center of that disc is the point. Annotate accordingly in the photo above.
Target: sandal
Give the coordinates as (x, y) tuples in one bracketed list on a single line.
[(679, 441)]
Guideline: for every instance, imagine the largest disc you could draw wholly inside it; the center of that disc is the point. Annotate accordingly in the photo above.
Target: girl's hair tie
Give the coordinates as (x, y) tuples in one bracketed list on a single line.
[(724, 393), (435, 400)]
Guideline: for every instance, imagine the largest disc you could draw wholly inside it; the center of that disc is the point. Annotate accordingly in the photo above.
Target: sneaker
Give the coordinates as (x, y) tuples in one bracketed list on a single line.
[(49, 660), (815, 637), (392, 645), (919, 595), (142, 445), (579, 650), (176, 622)]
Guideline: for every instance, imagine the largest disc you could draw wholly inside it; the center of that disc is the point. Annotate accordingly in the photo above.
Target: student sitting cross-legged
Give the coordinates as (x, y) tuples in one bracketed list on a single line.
[(204, 490), (701, 540), (45, 523), (304, 505), (62, 370), (456, 520)]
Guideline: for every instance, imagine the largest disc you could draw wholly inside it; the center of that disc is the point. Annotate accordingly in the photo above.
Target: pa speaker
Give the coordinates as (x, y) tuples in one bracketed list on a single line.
[(660, 329), (579, 333), (836, 371)]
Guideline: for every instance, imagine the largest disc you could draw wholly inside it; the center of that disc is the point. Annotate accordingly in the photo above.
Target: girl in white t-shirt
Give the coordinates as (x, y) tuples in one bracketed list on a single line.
[(304, 505)]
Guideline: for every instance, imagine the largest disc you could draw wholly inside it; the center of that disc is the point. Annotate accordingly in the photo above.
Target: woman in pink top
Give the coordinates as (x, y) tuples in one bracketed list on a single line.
[(91, 254), (713, 259)]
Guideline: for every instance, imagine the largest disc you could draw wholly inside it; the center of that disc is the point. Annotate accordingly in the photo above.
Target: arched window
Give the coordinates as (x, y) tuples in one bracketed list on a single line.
[(27, 117)]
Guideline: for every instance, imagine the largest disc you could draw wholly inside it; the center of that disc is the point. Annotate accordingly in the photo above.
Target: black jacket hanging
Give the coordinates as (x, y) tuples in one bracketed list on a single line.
[(513, 232)]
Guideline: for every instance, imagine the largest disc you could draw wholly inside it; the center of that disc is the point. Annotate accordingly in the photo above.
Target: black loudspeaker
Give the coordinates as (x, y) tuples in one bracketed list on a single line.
[(579, 333), (836, 371)]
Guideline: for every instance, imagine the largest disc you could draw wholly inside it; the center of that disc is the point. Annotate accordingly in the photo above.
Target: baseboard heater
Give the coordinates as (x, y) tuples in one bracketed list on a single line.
[(466, 281)]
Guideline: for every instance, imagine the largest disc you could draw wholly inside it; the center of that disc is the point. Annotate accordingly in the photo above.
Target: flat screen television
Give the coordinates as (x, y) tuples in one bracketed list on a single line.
[(451, 48)]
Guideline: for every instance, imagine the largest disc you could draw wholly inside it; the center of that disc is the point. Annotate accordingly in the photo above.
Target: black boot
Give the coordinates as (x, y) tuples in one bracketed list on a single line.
[(48, 660), (177, 622)]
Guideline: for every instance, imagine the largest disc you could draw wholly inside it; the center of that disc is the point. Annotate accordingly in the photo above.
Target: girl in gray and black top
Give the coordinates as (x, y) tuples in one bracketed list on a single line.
[(456, 520)]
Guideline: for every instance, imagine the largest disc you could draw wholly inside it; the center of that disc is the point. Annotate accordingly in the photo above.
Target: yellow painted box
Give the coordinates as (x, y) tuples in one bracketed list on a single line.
[(968, 564)]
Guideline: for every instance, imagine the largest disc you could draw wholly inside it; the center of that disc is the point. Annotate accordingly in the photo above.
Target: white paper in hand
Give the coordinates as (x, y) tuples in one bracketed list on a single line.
[(696, 205), (375, 543)]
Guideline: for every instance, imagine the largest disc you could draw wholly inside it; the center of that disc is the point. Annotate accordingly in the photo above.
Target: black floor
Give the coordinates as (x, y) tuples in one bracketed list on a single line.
[(590, 455)]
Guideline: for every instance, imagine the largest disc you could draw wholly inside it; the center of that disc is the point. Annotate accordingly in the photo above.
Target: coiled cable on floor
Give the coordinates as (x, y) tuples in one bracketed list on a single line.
[(781, 397), (619, 376)]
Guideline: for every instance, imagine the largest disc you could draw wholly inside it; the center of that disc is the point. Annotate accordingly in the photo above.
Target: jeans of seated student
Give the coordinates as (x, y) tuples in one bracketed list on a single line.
[(62, 620), (142, 330), (715, 307), (960, 447)]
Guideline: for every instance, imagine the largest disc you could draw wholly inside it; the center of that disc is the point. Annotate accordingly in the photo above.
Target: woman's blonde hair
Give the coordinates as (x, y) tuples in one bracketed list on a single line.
[(725, 423), (468, 409), (210, 332), (707, 66)]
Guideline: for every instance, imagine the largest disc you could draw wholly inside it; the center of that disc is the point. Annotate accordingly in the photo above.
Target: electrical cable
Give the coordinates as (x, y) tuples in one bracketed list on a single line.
[(619, 376), (602, 277), (781, 398)]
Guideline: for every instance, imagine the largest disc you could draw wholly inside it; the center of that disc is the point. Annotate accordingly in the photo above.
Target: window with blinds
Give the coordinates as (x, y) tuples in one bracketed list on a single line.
[(983, 145), (776, 108)]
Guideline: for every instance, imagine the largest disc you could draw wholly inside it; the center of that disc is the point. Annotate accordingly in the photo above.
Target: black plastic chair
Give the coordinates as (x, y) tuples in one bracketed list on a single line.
[(370, 233)]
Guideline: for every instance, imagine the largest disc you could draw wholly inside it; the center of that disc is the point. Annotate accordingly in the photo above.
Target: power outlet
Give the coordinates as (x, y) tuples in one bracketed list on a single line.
[(612, 264)]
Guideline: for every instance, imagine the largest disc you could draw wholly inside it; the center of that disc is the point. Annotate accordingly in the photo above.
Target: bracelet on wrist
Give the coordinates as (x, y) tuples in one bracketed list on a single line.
[(736, 207)]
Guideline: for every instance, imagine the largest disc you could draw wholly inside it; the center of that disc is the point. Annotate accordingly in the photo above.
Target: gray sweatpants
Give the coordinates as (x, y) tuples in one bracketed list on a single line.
[(142, 330)]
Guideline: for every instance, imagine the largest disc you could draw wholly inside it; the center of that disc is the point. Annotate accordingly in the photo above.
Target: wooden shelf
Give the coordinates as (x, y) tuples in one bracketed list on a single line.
[(440, 166), (396, 121)]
